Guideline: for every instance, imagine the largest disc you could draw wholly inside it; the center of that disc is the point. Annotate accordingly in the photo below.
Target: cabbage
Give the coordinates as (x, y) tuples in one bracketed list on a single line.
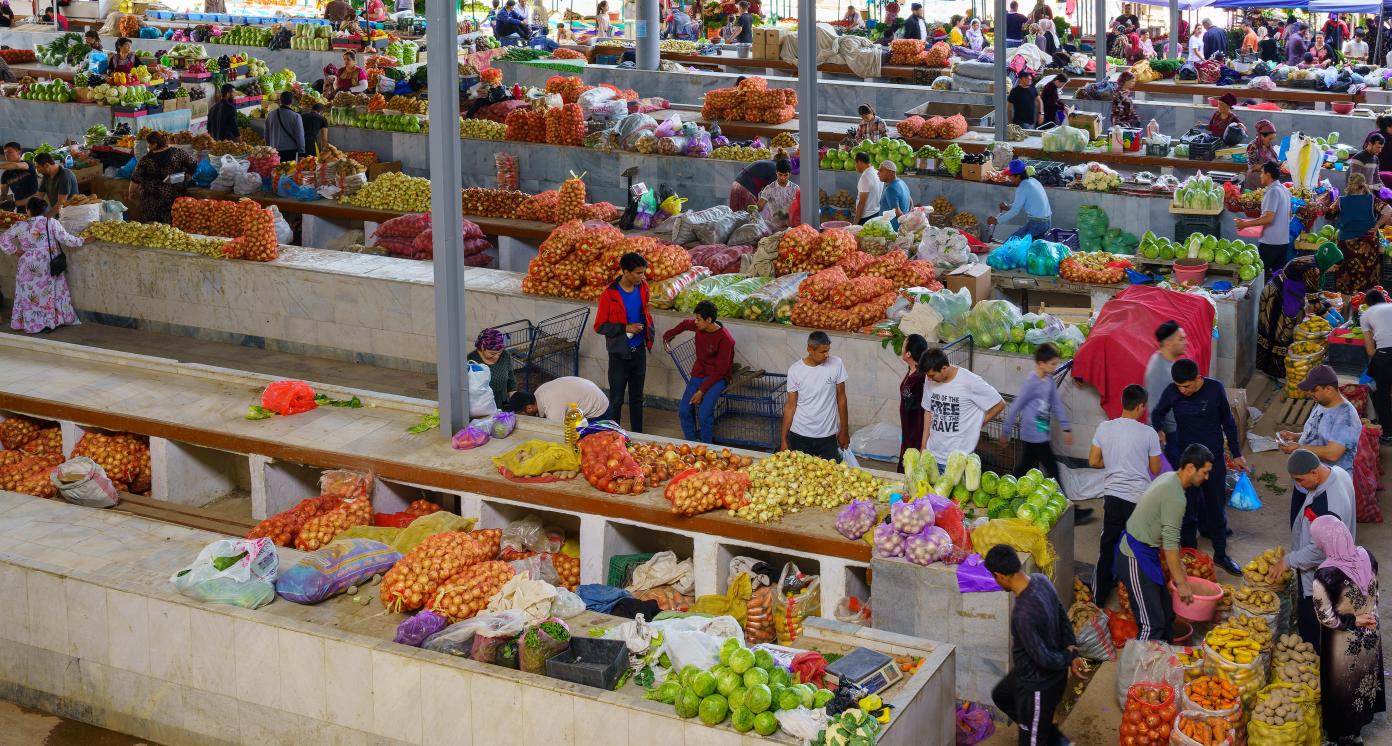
[(973, 475), (956, 466)]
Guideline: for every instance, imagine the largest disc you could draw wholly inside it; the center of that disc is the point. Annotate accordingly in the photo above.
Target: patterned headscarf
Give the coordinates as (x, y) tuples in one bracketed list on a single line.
[(490, 339), (1333, 538)]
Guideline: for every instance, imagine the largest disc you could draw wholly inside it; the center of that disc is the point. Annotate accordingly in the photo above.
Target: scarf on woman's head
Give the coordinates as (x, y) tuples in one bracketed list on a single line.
[(1333, 538)]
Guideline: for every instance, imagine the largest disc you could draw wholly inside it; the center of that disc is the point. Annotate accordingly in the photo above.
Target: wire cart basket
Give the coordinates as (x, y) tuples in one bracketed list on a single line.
[(554, 350), (517, 344), (749, 413), (1006, 459)]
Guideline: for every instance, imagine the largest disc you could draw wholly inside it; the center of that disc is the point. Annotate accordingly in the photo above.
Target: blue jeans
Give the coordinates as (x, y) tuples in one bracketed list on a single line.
[(705, 412), (1033, 228)]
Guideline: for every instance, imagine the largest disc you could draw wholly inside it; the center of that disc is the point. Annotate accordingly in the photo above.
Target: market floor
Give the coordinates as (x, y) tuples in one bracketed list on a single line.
[(20, 726)]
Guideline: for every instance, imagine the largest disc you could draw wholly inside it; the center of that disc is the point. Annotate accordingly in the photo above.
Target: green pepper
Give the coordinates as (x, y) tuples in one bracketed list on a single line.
[(222, 563)]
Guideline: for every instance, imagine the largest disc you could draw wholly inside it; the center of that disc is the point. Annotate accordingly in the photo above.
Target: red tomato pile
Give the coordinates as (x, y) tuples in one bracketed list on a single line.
[(607, 465)]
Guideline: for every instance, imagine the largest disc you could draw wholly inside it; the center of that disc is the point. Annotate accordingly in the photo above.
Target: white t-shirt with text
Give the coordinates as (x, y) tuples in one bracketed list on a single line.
[(1127, 446), (956, 410), (816, 415)]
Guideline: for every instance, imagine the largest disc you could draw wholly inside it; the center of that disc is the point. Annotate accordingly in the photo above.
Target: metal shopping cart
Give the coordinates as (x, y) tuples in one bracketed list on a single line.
[(750, 411), (555, 348)]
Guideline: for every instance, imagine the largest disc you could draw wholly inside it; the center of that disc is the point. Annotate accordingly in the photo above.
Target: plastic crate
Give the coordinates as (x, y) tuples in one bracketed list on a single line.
[(1065, 236), (555, 348), (621, 567), (1157, 150), (1208, 225), (590, 661)]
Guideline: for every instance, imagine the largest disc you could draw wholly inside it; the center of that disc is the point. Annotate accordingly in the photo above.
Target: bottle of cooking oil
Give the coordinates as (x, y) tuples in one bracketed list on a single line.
[(573, 420)]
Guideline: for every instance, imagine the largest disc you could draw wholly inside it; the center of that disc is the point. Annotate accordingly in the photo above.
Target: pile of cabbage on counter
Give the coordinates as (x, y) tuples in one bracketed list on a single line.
[(1198, 192)]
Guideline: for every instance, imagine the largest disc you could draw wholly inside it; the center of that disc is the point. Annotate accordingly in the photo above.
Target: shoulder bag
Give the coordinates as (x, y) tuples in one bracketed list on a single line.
[(57, 263)]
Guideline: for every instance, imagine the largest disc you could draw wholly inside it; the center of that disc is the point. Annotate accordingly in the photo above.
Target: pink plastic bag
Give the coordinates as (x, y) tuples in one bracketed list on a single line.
[(469, 437)]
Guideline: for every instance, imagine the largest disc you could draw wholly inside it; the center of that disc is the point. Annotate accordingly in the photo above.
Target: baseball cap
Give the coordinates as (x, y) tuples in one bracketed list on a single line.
[(1016, 167), (916, 6), (891, 165), (1302, 461), (1320, 375)]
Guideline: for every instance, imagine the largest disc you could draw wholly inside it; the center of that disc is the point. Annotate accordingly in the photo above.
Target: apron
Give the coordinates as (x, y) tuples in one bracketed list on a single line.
[(1147, 557)]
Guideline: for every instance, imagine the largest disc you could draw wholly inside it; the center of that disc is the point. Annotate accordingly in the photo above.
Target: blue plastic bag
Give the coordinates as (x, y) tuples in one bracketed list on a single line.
[(1009, 255), (1244, 494), (125, 171), (205, 173)]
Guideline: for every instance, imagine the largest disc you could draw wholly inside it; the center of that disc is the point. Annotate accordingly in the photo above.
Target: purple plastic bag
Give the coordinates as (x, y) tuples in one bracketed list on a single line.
[(973, 577), (974, 724), (1164, 465), (888, 542), (911, 516), (855, 519), (413, 631), (503, 424), (938, 502), (469, 437), (927, 546)]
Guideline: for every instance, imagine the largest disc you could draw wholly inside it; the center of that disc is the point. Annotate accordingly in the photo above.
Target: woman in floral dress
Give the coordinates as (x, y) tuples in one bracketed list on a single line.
[(42, 301), (1346, 597)]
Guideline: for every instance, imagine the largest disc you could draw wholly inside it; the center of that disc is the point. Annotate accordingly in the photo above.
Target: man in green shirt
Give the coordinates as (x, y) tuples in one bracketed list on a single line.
[(1152, 530)]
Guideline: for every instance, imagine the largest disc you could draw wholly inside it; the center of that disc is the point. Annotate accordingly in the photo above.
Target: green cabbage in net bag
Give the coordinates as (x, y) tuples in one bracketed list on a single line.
[(990, 322)]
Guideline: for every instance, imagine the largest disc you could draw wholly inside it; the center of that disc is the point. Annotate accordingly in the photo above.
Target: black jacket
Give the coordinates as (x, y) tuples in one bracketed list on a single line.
[(222, 121)]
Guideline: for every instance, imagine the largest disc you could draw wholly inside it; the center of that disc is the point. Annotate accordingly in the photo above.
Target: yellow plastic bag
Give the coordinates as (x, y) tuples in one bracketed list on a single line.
[(672, 205), (1020, 534), (535, 457), (734, 603), (405, 539)]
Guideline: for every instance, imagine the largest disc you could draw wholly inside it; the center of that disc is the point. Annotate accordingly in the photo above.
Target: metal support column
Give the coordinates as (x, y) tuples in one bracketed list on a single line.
[(807, 110), (452, 368), (648, 33), (998, 96), (1175, 49), (1100, 11)]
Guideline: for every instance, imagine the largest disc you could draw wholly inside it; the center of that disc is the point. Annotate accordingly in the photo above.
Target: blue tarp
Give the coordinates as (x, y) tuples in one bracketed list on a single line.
[(1183, 4), (1345, 6), (1274, 4)]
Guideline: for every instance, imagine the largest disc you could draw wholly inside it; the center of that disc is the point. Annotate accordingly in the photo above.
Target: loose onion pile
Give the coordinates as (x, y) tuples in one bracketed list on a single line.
[(422, 507), (417, 576), (124, 457), (704, 491), (467, 593), (492, 203), (788, 481), (568, 568)]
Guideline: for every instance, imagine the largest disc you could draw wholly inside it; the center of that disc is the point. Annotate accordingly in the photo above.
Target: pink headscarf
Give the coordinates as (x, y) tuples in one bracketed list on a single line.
[(1333, 538)]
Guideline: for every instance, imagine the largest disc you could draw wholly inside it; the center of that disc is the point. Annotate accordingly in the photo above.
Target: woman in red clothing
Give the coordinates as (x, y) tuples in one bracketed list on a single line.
[(710, 371), (625, 322), (911, 397), (1221, 119)]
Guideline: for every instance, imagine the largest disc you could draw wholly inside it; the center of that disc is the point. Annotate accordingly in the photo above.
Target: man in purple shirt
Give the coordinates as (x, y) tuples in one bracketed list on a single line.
[(1296, 46)]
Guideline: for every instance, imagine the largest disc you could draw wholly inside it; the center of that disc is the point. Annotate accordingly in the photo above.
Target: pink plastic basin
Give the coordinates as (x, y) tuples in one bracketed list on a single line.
[(1253, 233), (835, 224), (1206, 596), (1190, 270)]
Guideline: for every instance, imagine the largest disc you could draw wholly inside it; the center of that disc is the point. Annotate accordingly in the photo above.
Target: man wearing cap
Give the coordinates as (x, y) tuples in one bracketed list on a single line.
[(1221, 119), (1318, 489), (1030, 200), (1171, 346), (916, 26), (1333, 428), (894, 197), (1023, 106)]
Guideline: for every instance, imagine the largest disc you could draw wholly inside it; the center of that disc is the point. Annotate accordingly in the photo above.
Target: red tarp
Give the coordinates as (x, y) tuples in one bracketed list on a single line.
[(1117, 350)]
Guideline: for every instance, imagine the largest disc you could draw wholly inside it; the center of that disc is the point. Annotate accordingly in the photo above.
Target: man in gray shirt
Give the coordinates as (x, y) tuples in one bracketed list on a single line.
[(1274, 243), (1172, 346), (1327, 490)]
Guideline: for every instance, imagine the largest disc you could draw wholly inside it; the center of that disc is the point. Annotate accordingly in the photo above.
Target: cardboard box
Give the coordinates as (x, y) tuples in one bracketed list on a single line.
[(87, 174), (83, 9), (976, 278), (198, 108), (1087, 121), (975, 171), (1066, 314), (377, 169), (768, 43)]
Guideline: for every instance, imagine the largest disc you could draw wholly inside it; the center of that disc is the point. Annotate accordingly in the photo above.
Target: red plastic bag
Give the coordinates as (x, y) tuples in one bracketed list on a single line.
[(288, 397), (1123, 627), (950, 519)]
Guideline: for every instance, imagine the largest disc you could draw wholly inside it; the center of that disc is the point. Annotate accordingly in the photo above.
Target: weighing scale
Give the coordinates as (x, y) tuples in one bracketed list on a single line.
[(865, 669)]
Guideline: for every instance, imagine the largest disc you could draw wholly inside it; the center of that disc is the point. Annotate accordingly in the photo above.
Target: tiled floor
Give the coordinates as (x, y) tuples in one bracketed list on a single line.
[(21, 726)]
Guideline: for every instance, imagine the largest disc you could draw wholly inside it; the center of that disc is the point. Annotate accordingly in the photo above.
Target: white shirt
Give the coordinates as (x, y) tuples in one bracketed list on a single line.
[(871, 186), (1196, 49), (1377, 321), (1126, 446), (816, 415), (957, 410), (553, 397), (1356, 49)]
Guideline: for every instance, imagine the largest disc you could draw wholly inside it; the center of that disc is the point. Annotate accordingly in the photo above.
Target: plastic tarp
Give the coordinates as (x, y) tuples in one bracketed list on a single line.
[(1187, 4), (1274, 4), (1345, 6), (1115, 354)]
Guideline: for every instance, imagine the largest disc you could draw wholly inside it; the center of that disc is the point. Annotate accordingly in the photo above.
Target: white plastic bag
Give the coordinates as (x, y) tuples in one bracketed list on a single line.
[(229, 168), (879, 441), (282, 229), (76, 218), (1147, 661), (113, 211), (82, 481), (532, 597), (481, 403), (848, 458), (248, 581), (458, 638), (248, 182), (566, 604), (663, 569)]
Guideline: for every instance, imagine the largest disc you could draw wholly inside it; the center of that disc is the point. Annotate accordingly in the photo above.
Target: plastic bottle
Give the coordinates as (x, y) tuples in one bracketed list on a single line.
[(1152, 129), (573, 419)]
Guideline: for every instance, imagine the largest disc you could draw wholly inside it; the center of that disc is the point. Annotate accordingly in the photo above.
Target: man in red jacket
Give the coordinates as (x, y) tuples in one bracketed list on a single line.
[(710, 371), (627, 326)]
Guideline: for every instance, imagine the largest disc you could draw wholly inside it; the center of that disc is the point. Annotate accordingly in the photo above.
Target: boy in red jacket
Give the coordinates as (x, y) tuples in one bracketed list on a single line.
[(627, 326), (710, 372)]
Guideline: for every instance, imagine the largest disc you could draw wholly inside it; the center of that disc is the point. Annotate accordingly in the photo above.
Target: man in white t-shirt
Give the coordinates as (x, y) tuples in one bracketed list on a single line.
[(868, 189), (957, 402), (1376, 323), (1129, 452), (814, 416), (551, 399)]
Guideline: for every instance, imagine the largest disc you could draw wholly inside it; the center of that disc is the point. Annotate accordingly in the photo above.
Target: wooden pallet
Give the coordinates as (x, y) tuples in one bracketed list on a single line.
[(184, 515), (1294, 412)]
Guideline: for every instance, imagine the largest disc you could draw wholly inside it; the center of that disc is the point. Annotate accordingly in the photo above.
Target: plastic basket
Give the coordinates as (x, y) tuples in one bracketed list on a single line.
[(590, 661), (1209, 225), (555, 348), (1157, 150), (621, 567), (1064, 236)]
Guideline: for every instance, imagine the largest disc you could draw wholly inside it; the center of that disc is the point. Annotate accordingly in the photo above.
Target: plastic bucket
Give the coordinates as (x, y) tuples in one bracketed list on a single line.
[(1190, 271), (1206, 596), (1183, 630), (835, 224)]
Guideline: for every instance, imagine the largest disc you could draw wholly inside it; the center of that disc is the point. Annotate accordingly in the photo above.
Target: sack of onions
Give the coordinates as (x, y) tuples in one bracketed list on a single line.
[(321, 529), (468, 592), (416, 578)]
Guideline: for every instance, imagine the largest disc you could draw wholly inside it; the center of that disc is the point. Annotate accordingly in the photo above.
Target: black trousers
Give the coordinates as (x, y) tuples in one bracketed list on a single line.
[(1115, 513), (628, 373), (1273, 256), (288, 156), (825, 447), (1380, 370), (1305, 620), (1205, 506), (1031, 706), (1040, 455), (1150, 602)]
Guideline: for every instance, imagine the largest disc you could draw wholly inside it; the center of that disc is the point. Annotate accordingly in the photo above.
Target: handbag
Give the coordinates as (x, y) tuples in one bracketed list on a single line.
[(57, 263)]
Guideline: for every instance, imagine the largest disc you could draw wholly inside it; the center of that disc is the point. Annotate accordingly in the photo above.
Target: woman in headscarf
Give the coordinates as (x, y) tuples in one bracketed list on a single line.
[(1224, 116), (489, 349), (1281, 307), (975, 38), (1259, 151), (1361, 267), (1345, 594), (1123, 112)]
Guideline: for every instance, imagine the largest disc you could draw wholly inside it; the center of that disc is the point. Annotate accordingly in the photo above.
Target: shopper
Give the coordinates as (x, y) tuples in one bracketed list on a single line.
[(1015, 23), (57, 184), (870, 127), (316, 129), (602, 28), (916, 26), (745, 189), (222, 115), (160, 177), (776, 200), (1154, 529), (679, 25), (1376, 323), (911, 396), (1042, 649), (1345, 594), (1128, 451), (1051, 99), (7, 15), (1335, 30), (490, 350), (1296, 46), (1224, 117), (1123, 110), (815, 419), (958, 404), (1251, 42), (894, 195), (729, 33), (1356, 49), (1202, 415), (551, 399), (709, 374), (1215, 41), (337, 11), (1196, 49), (1022, 105), (41, 301), (1317, 490), (626, 323), (375, 11), (1274, 243), (868, 189), (1365, 161), (1260, 151), (1035, 407), (19, 180), (1172, 345), (1333, 428), (746, 23), (1031, 201), (1281, 306), (285, 130)]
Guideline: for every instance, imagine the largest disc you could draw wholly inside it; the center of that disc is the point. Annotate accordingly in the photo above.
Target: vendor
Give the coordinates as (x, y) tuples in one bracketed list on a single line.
[(553, 397), (976, 38), (776, 199), (1022, 105), (124, 60), (1051, 98), (1030, 201), (1384, 128), (564, 35), (852, 19), (1320, 54), (1224, 117), (745, 189), (490, 350), (6, 14), (350, 77), (375, 11), (871, 127), (338, 11), (729, 33), (894, 195), (1259, 151), (92, 39), (160, 177), (1356, 49), (1152, 537), (1123, 112), (1361, 267)]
